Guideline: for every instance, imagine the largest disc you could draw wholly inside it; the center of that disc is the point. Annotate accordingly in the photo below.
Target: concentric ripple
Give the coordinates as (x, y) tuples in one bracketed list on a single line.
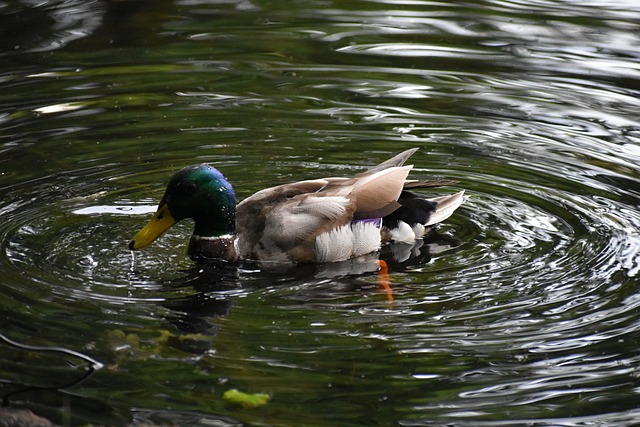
[(71, 249), (521, 310)]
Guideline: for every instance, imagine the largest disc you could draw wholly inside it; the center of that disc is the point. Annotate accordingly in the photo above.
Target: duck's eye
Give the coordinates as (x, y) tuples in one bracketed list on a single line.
[(190, 188)]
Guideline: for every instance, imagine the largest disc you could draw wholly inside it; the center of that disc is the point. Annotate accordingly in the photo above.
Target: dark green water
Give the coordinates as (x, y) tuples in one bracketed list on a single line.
[(533, 106)]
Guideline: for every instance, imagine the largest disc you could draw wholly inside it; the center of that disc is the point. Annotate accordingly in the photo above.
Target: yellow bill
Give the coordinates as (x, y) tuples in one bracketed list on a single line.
[(162, 220)]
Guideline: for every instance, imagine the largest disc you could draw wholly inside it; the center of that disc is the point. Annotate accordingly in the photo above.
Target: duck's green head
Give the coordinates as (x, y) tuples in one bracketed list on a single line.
[(200, 192)]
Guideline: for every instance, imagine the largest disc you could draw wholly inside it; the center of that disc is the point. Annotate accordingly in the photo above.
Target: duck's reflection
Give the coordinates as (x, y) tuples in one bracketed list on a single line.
[(214, 283), (211, 284)]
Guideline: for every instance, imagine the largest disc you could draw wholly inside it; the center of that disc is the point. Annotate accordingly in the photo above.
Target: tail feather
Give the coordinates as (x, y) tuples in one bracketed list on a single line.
[(416, 214), (445, 206), (414, 183), (397, 160)]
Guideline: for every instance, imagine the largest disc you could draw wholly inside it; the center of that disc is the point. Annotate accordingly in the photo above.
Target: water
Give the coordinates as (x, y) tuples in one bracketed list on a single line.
[(532, 319)]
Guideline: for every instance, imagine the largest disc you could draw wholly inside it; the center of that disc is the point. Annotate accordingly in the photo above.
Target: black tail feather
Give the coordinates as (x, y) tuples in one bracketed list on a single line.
[(414, 209)]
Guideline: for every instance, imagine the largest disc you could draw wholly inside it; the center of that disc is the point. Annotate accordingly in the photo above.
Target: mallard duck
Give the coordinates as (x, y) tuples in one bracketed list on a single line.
[(313, 221)]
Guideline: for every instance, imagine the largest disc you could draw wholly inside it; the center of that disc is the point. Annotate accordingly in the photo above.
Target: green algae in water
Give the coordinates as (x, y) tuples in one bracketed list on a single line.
[(246, 400)]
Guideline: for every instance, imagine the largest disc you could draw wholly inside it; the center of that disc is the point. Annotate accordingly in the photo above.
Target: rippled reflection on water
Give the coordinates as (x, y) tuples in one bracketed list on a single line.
[(523, 312)]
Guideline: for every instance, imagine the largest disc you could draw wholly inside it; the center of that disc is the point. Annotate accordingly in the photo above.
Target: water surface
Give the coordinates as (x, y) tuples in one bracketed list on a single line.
[(523, 312)]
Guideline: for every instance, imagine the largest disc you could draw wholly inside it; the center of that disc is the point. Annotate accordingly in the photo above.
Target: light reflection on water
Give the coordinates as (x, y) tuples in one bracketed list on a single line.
[(524, 313)]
